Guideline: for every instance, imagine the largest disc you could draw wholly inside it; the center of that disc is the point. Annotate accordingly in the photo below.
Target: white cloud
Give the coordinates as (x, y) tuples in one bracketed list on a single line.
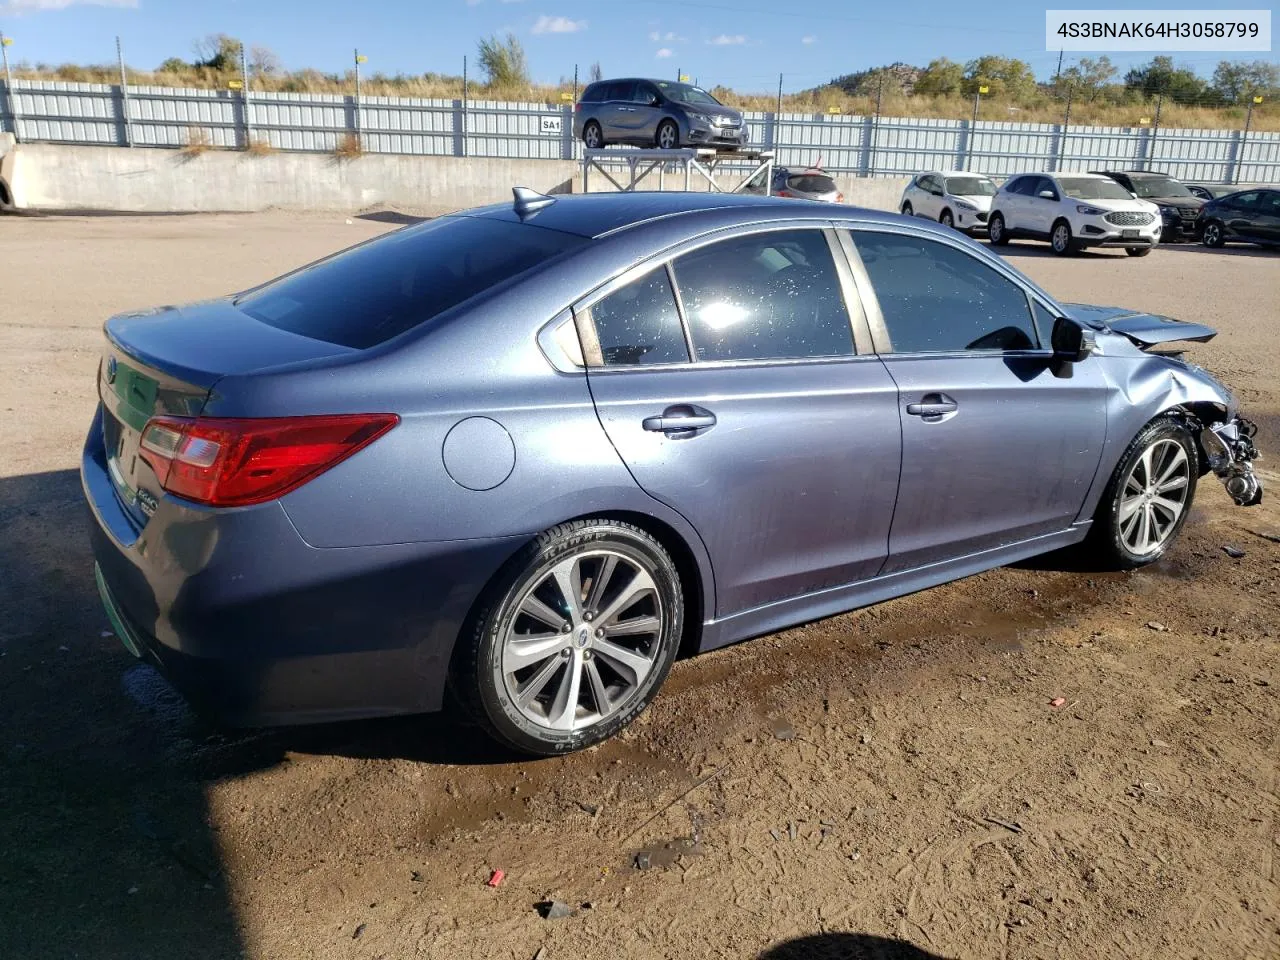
[(725, 40), (657, 36), (808, 40), (19, 7), (664, 53), (547, 24)]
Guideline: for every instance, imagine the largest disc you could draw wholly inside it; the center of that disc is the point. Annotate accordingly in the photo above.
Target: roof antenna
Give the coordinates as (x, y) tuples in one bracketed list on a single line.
[(528, 202)]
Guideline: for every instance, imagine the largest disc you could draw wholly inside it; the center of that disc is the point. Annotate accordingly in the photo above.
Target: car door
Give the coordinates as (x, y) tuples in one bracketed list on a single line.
[(645, 102), (1238, 212), (1266, 219), (930, 197), (778, 442), (611, 110), (1011, 201), (627, 116), (996, 449), (1041, 211)]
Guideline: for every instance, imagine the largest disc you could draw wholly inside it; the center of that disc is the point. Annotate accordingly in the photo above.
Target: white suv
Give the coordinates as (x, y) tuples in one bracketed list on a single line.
[(953, 198), (1073, 211)]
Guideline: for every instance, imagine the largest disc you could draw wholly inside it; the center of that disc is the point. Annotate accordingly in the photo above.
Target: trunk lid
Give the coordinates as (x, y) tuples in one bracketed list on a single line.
[(1144, 329), (166, 361)]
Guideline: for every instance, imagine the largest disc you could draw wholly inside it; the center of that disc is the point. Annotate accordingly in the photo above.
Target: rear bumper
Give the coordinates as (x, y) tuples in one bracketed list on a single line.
[(256, 627)]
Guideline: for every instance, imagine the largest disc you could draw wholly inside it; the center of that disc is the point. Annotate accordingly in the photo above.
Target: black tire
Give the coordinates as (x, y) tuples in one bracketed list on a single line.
[(996, 232), (1213, 235), (667, 130), (1138, 251), (1061, 247), (908, 210), (592, 136), (1106, 544), (477, 676), (946, 219)]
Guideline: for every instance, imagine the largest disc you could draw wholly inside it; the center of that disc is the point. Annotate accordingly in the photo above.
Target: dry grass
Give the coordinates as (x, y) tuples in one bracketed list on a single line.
[(198, 142), (349, 147), (259, 147), (1038, 109)]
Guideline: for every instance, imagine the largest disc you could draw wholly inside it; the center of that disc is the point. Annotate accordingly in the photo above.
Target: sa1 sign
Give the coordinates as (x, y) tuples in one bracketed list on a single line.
[(551, 125)]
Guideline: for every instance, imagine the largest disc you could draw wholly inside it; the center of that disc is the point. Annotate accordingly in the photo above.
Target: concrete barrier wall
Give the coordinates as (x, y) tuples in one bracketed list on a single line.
[(50, 177)]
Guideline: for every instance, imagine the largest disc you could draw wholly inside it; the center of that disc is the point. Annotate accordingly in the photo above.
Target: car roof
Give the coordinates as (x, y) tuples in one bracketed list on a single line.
[(594, 215)]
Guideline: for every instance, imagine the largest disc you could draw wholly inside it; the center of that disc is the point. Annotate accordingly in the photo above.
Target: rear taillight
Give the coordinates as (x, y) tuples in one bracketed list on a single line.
[(784, 193), (577, 108), (232, 463), (839, 198)]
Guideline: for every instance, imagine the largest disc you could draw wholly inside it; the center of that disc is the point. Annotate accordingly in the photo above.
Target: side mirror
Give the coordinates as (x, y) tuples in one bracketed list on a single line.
[(1071, 343), (1048, 195)]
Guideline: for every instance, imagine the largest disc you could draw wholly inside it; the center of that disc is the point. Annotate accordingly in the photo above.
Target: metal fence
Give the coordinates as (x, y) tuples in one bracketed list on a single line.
[(860, 146)]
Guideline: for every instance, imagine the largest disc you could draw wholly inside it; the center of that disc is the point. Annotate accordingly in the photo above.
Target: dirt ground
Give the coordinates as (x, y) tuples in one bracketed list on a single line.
[(890, 783)]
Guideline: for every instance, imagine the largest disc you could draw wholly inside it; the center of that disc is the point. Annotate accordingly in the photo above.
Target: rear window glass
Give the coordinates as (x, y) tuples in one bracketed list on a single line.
[(812, 183), (380, 289)]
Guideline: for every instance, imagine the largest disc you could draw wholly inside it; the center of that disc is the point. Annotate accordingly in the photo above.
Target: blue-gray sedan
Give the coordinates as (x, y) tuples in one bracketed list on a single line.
[(530, 451)]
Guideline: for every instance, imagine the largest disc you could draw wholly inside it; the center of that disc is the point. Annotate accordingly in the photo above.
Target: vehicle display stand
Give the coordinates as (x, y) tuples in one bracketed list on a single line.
[(705, 161)]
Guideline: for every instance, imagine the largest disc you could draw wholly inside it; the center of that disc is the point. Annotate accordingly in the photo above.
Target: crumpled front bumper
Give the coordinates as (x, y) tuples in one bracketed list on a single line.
[(1230, 452)]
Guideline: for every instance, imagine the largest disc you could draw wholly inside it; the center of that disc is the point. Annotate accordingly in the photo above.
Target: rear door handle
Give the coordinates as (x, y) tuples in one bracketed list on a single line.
[(682, 420), (933, 407)]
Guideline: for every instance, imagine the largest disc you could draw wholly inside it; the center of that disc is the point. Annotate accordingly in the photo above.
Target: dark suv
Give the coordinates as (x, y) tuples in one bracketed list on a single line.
[(1179, 207), (655, 113)]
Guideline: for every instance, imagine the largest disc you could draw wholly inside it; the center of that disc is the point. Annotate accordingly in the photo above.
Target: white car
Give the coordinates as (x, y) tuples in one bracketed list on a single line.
[(1073, 211), (952, 197)]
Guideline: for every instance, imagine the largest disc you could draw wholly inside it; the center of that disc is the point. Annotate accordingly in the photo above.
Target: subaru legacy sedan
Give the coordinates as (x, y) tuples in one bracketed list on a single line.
[(528, 452)]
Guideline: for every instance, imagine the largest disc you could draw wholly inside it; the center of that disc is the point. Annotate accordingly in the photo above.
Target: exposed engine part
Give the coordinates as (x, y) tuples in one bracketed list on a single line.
[(1230, 451)]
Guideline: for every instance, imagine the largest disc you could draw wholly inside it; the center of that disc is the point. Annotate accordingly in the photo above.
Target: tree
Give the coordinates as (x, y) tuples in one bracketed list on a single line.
[(263, 62), (1161, 78), (174, 65), (1004, 77), (596, 74), (1237, 81), (1085, 80), (941, 78), (219, 52), (503, 61)]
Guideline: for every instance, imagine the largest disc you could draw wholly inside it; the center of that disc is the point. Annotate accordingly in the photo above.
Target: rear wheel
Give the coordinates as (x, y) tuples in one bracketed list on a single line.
[(592, 136), (668, 136), (1137, 251), (1148, 497), (996, 232), (1212, 236), (908, 210), (1060, 239), (575, 639)]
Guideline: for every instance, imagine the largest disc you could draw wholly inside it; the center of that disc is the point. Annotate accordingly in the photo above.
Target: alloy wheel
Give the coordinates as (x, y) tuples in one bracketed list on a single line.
[(667, 136), (1061, 238), (1212, 235), (591, 136), (1154, 496), (585, 636), (946, 220)]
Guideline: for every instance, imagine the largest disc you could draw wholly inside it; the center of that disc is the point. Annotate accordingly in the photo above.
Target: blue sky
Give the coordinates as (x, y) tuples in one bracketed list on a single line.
[(741, 43)]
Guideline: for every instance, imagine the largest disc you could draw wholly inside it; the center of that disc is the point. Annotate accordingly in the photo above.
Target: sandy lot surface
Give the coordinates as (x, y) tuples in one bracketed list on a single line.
[(889, 783)]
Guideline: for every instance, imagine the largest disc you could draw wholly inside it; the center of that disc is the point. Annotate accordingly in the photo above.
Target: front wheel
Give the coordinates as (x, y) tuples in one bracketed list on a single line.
[(996, 232), (1060, 239), (574, 640), (908, 210), (1212, 236), (668, 137), (1138, 251), (1148, 497), (947, 220)]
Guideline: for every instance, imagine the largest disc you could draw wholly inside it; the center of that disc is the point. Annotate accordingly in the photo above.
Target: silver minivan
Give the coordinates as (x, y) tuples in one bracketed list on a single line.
[(655, 113)]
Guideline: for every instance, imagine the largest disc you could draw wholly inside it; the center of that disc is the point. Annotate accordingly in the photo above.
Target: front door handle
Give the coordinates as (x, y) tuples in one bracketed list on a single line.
[(682, 420), (933, 407)]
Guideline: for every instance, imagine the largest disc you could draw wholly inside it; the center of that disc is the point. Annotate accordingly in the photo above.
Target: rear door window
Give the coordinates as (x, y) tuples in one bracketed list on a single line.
[(639, 324), (371, 293), (764, 296), (937, 299)]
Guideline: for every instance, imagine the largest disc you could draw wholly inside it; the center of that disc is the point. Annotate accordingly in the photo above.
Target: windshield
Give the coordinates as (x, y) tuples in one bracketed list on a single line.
[(371, 293), (1160, 187), (1090, 188), (971, 187), (687, 94)]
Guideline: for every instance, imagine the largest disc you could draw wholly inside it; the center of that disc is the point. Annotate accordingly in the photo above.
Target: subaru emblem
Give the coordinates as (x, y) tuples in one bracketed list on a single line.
[(111, 369)]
